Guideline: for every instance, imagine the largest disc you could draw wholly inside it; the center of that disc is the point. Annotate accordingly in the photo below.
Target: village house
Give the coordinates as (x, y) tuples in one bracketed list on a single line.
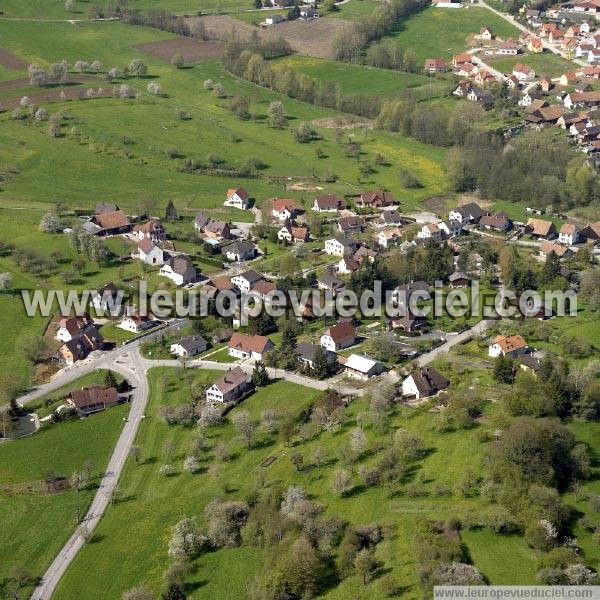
[(547, 247), (390, 217), (264, 288), (328, 282), (408, 323), (152, 230), (462, 89), (189, 345), (424, 383), (136, 323), (568, 78), (80, 347), (239, 251), (361, 367), (348, 265), (486, 34), (568, 234), (111, 223), (401, 294), (329, 203), (541, 229), (340, 246), (180, 270), (529, 363), (201, 220), (512, 82), (511, 346), (435, 65), (229, 388), (460, 59), (430, 231), (217, 230), (351, 225), (450, 228), (508, 48), (364, 253), (148, 252), (237, 198), (535, 45), (71, 327), (581, 100), (523, 72), (88, 400), (247, 280), (497, 222), (583, 86), (484, 77), (292, 234), (389, 237), (379, 199), (459, 280), (545, 84), (591, 232), (306, 355), (591, 71), (467, 70), (467, 213), (249, 346), (338, 337), (283, 209)]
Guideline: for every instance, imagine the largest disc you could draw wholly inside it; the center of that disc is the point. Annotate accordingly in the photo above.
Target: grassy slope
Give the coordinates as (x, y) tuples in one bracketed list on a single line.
[(36, 525), (440, 33), (544, 64), (225, 573)]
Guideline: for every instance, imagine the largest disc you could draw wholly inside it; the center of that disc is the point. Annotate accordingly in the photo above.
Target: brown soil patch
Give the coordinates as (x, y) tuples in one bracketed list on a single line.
[(10, 61), (313, 38), (45, 96), (347, 122), (192, 50), (302, 187), (23, 82)]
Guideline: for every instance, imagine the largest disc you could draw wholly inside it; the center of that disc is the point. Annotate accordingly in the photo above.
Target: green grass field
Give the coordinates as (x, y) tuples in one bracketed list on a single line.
[(440, 33), (546, 63), (35, 523)]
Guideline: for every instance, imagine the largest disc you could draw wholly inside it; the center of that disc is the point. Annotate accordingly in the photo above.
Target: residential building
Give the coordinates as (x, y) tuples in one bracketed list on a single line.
[(390, 217), (435, 65), (378, 199), (88, 400), (497, 222), (559, 250), (180, 270), (107, 298), (229, 388), (149, 253), (239, 251), (523, 72), (247, 280), (358, 366), (293, 234), (459, 280), (306, 354), (424, 383), (348, 265), (351, 225), (136, 323), (340, 246), (237, 198), (511, 346), (152, 230), (111, 223), (450, 228), (245, 346), (188, 346), (430, 231), (389, 237), (284, 209), (568, 234), (467, 213), (329, 203), (80, 347), (327, 282), (71, 327), (217, 230), (541, 229), (338, 337)]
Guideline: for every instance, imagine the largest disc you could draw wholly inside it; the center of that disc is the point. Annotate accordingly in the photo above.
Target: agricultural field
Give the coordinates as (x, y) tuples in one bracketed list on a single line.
[(36, 521), (439, 33)]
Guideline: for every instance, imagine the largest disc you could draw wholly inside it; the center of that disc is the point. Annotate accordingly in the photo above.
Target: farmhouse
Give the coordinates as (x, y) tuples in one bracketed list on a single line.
[(568, 234), (511, 346), (424, 383), (180, 270), (284, 209), (69, 328), (88, 400), (541, 229), (152, 230), (237, 198), (149, 253), (233, 385), (239, 251), (358, 366), (338, 337), (111, 223), (329, 203), (249, 346), (189, 346)]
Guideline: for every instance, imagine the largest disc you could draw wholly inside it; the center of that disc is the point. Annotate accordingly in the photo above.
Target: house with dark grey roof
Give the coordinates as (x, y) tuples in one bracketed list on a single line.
[(424, 383), (467, 213), (233, 385), (239, 251), (306, 354), (189, 346)]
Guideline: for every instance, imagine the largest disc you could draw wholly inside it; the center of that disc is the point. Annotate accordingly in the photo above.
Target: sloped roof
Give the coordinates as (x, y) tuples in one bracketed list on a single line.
[(249, 343), (342, 332), (231, 380)]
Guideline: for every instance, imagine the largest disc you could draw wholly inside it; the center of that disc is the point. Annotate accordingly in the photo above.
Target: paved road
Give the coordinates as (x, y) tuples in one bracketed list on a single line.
[(547, 45), (132, 367)]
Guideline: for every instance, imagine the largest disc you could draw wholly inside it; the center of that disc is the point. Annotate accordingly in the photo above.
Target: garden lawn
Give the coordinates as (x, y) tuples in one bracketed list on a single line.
[(35, 524), (440, 33), (546, 63)]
